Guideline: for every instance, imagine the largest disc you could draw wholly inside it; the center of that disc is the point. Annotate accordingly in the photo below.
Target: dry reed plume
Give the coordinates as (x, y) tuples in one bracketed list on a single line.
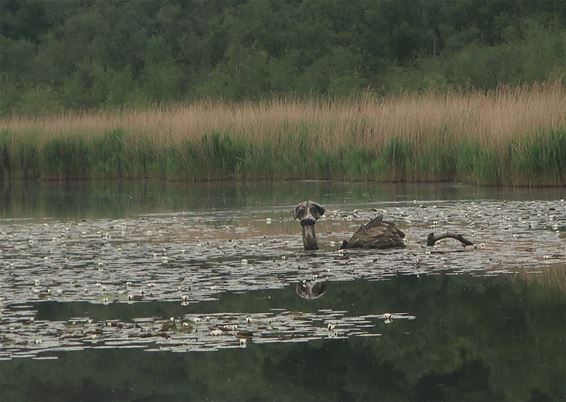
[(412, 127), (490, 117)]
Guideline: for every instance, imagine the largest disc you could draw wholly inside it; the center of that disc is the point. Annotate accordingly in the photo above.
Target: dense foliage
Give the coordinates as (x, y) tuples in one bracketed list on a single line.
[(98, 53)]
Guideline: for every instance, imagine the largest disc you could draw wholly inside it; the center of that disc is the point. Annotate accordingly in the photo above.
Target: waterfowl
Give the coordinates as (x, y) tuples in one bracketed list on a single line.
[(308, 212), (376, 234)]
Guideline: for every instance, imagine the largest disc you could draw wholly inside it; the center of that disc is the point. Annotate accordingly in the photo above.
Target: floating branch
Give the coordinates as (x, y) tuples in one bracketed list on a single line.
[(431, 239)]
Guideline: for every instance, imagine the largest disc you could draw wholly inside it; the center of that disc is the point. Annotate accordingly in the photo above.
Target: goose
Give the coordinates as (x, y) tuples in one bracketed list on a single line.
[(376, 234)]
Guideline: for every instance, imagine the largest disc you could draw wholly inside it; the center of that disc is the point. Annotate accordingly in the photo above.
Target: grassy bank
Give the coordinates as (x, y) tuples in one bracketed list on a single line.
[(506, 137)]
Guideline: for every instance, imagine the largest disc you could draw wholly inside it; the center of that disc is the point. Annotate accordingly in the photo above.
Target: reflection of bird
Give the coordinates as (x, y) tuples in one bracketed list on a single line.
[(310, 290)]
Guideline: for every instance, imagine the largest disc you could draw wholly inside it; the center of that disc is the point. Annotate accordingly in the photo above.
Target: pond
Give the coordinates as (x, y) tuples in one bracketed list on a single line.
[(154, 291)]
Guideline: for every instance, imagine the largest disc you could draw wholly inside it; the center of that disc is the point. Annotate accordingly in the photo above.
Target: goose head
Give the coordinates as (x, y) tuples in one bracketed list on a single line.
[(308, 212)]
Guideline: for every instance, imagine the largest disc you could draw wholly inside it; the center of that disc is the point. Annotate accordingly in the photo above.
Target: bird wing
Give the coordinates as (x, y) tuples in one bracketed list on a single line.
[(378, 227), (377, 233)]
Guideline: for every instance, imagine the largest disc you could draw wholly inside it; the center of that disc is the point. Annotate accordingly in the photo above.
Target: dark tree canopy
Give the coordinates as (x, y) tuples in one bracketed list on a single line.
[(99, 53)]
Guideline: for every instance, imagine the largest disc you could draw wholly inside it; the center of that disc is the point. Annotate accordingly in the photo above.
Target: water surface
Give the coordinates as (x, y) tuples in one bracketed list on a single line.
[(167, 291)]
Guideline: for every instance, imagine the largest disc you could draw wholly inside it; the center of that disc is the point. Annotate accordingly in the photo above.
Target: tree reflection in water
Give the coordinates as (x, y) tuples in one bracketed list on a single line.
[(474, 338)]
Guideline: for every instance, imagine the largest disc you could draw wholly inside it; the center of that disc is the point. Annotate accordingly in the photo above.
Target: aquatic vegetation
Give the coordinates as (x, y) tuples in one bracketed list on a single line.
[(119, 260), (119, 264), (221, 286), (511, 136)]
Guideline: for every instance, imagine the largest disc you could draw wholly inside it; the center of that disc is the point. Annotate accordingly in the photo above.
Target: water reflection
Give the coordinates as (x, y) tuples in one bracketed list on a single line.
[(310, 289), (213, 279), (100, 199), (459, 347)]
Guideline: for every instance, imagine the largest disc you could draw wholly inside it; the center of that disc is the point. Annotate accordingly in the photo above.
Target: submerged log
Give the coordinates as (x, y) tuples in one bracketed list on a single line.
[(431, 239)]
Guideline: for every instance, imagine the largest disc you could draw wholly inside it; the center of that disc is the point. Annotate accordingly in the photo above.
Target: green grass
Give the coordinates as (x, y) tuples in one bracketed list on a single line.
[(530, 160)]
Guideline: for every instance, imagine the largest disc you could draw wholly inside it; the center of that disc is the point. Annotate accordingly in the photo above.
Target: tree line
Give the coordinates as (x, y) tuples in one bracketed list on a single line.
[(63, 54)]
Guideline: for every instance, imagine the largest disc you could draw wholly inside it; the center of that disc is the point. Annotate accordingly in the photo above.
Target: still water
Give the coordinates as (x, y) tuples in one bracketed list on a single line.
[(144, 291)]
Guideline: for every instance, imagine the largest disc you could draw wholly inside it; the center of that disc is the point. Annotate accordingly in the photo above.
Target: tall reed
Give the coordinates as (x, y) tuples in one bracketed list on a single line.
[(511, 136)]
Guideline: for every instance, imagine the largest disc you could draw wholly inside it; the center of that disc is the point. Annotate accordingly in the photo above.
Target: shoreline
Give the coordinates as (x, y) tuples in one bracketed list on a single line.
[(510, 137), (252, 181)]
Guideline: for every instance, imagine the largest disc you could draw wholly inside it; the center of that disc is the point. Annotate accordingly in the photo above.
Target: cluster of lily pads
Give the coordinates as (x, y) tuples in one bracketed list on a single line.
[(195, 257)]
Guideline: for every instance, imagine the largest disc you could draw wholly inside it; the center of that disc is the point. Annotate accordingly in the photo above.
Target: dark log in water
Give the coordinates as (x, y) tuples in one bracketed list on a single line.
[(431, 239)]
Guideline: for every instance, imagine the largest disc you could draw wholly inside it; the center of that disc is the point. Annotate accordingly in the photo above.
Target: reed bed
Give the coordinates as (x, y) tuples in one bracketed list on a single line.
[(511, 136)]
